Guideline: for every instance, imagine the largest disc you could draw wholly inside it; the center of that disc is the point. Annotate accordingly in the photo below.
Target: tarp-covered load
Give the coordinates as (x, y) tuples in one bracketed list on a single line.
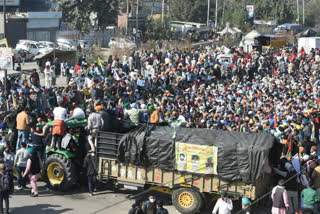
[(231, 155)]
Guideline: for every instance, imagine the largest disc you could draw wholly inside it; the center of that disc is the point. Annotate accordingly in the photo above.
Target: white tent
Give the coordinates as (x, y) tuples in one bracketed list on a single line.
[(233, 31), (248, 41)]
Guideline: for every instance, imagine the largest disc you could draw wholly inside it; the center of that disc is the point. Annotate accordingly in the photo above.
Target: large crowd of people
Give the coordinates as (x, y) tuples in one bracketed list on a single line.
[(276, 91)]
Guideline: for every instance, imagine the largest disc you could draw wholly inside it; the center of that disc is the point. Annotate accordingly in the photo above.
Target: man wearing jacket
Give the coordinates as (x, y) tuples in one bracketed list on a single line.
[(90, 163), (279, 197), (95, 123)]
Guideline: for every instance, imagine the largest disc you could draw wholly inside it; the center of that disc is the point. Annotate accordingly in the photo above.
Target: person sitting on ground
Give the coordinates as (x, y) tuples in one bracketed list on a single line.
[(224, 204)]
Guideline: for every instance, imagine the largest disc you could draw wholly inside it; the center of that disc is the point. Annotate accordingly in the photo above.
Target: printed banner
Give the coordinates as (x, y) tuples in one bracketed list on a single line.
[(250, 10), (4, 43), (196, 158), (5, 58)]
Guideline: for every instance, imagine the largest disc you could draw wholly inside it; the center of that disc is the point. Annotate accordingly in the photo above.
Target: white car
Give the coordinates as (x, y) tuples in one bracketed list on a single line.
[(65, 44), (48, 45), (122, 43), (32, 46), (19, 53), (22, 44)]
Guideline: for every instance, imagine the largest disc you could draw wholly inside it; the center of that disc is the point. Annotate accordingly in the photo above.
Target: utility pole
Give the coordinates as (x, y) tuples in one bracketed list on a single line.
[(137, 16), (298, 15), (303, 12), (223, 14), (168, 8), (5, 36), (162, 12), (127, 17), (208, 14), (216, 20), (4, 19), (152, 9)]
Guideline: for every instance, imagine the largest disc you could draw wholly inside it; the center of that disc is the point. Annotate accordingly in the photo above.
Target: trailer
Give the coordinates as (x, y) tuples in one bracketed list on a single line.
[(190, 190)]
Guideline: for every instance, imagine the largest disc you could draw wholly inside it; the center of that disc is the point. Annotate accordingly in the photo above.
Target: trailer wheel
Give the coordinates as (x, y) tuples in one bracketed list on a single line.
[(187, 201)]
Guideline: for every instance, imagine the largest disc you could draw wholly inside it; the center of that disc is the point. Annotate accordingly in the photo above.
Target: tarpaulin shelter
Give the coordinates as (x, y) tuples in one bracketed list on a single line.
[(308, 33), (239, 156), (62, 55), (233, 31)]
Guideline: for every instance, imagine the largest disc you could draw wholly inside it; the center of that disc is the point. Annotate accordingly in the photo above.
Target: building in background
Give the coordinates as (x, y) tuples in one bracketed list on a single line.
[(43, 26), (16, 27), (38, 26)]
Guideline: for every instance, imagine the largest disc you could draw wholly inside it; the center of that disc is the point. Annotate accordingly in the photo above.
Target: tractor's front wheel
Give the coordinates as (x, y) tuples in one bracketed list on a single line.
[(60, 172)]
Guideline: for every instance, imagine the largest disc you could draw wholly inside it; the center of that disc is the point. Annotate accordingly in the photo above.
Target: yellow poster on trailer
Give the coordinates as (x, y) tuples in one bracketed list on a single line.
[(4, 43), (196, 158)]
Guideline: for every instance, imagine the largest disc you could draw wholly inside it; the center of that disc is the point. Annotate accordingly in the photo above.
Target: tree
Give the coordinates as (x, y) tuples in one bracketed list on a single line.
[(311, 13), (280, 11), (188, 10), (132, 5), (105, 13), (87, 14), (157, 30)]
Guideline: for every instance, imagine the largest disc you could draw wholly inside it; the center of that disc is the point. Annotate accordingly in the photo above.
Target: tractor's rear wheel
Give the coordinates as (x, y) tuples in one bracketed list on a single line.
[(60, 172)]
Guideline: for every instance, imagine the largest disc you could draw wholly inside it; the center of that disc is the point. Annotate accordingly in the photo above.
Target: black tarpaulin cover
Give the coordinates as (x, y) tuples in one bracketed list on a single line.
[(241, 156)]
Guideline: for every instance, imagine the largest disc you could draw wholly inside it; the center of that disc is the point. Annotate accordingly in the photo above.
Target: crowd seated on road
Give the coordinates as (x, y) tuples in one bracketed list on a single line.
[(275, 92)]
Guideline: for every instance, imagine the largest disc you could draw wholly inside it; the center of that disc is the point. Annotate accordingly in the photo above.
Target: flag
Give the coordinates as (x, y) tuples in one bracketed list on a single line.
[(115, 75), (88, 81), (275, 121), (289, 153), (100, 63), (313, 134), (14, 102)]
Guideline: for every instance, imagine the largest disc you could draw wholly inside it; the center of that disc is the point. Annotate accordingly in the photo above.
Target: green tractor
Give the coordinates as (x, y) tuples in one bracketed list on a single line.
[(63, 168)]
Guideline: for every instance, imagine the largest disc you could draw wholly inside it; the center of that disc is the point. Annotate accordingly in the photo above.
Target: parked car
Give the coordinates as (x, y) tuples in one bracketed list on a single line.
[(122, 43), (295, 28), (32, 46), (84, 43), (66, 44), (48, 45), (27, 54), (22, 44)]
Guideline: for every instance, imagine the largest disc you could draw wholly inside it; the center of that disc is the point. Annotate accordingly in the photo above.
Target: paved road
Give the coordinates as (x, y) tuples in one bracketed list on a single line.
[(76, 202)]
